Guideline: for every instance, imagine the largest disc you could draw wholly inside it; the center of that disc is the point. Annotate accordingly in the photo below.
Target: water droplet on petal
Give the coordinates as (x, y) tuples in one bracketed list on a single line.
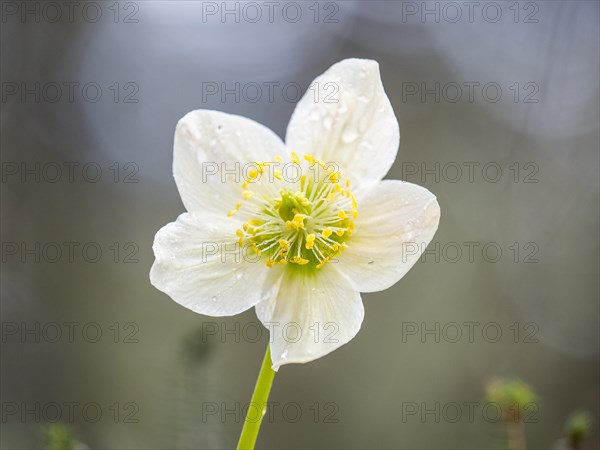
[(349, 135), (239, 275)]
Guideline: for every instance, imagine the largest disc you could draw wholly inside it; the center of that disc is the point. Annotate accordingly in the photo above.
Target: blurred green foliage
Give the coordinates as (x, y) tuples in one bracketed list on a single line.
[(59, 437)]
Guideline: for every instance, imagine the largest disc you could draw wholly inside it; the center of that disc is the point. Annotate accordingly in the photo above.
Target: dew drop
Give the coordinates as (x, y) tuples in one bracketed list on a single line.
[(239, 275), (349, 135)]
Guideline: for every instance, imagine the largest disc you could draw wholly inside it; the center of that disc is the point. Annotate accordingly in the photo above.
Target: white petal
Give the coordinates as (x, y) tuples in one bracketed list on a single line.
[(309, 316), (396, 222), (346, 118), (210, 153), (200, 266)]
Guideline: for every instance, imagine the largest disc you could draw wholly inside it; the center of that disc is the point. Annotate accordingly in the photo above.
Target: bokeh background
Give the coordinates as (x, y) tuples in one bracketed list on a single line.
[(165, 372)]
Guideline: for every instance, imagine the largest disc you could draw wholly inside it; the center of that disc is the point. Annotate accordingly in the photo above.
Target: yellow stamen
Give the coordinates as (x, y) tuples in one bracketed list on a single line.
[(298, 260), (311, 159), (298, 221), (310, 241)]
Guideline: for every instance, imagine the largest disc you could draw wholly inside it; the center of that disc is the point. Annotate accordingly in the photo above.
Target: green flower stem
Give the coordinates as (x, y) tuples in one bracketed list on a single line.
[(258, 403), (516, 435)]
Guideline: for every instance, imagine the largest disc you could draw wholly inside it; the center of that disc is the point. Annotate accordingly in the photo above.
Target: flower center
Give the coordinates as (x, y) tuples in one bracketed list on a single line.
[(302, 214)]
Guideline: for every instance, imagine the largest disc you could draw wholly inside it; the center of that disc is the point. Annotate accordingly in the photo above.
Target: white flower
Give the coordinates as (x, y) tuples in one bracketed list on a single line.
[(310, 243)]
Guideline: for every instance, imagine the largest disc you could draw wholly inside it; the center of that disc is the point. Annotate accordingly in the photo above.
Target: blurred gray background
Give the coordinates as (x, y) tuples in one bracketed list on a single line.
[(156, 372)]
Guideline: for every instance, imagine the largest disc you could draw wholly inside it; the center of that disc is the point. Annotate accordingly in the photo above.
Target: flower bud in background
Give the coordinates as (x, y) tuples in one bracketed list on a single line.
[(577, 428), (511, 395)]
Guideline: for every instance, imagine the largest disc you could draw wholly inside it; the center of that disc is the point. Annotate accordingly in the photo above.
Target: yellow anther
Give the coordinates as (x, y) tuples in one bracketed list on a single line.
[(298, 221), (340, 232), (354, 214), (239, 233), (347, 182), (284, 244), (334, 177), (326, 233), (350, 225), (302, 199), (234, 210), (322, 263), (245, 185), (256, 249), (310, 241), (311, 159), (278, 174), (270, 263), (252, 174), (278, 159), (247, 194), (331, 196), (342, 214), (298, 260), (338, 188), (295, 158)]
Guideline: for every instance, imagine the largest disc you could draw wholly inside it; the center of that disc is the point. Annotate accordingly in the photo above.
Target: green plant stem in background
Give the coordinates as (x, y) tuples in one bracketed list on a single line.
[(516, 435), (258, 403)]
